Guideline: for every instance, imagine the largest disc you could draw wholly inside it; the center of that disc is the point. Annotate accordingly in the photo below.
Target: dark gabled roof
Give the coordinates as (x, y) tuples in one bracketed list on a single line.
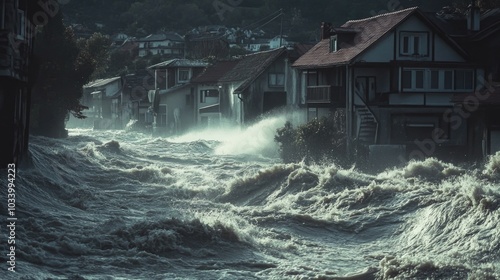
[(179, 62), (101, 82), (367, 32), (251, 66), (212, 74)]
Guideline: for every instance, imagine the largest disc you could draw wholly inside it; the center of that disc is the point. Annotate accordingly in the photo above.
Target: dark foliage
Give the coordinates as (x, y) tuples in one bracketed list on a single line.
[(301, 18), (318, 140), (63, 70)]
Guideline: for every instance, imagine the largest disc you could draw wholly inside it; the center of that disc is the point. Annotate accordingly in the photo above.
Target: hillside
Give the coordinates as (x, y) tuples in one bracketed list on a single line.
[(301, 18)]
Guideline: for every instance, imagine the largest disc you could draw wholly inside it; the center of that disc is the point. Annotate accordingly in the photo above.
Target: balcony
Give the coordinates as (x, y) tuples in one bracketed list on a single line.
[(326, 94)]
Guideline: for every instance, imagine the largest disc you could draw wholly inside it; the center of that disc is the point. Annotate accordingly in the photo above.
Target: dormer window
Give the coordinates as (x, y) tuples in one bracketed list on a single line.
[(333, 43), (414, 44)]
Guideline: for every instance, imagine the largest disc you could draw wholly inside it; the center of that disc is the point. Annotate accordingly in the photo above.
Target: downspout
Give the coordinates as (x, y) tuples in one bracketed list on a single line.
[(348, 112)]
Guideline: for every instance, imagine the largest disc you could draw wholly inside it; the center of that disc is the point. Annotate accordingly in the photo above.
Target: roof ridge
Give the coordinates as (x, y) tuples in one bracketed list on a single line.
[(383, 15), (266, 51)]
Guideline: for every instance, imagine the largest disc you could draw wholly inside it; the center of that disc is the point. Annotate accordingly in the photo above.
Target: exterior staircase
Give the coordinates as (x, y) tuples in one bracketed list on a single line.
[(367, 126)]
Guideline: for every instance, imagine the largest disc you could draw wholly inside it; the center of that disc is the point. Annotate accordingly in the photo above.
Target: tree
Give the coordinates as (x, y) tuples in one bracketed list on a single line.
[(97, 48), (63, 70)]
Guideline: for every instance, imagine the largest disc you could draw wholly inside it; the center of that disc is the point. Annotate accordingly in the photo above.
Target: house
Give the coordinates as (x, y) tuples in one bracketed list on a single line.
[(173, 99), (165, 43), (394, 76), (207, 98), (16, 50), (119, 38), (279, 41), (103, 97), (241, 90), (481, 39), (256, 44)]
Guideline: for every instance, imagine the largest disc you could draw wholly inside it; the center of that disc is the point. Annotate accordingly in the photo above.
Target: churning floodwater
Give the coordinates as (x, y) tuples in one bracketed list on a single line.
[(219, 204)]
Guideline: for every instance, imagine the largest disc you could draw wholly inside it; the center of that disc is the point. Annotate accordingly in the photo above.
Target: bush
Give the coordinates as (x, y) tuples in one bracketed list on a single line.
[(318, 140)]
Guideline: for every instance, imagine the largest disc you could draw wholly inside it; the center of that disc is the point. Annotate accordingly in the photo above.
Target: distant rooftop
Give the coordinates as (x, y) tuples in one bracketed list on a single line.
[(172, 36), (101, 82), (179, 62)]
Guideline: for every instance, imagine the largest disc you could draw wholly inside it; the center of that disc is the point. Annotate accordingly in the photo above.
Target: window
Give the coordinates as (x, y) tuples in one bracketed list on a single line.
[(413, 79), (463, 79), (333, 43), (276, 79), (441, 79), (312, 78), (365, 87), (183, 75), (209, 93), (437, 80), (161, 118), (21, 24), (414, 44)]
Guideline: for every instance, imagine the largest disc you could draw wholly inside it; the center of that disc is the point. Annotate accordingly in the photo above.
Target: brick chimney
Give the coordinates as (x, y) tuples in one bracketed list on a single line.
[(325, 30)]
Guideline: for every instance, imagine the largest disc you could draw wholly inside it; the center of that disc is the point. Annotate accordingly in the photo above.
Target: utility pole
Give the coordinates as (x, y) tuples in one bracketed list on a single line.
[(281, 28)]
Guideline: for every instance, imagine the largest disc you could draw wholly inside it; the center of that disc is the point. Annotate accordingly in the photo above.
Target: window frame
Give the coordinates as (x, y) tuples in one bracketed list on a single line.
[(208, 93), (442, 73), (179, 75), (276, 75), (409, 38), (334, 43)]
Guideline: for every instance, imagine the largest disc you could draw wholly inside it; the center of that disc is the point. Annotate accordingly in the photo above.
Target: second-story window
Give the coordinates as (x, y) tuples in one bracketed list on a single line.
[(276, 79), (437, 80), (414, 44), (183, 75), (413, 79), (208, 94)]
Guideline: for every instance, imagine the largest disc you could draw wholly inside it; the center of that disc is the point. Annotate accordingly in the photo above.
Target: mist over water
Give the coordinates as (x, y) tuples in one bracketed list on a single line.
[(219, 204)]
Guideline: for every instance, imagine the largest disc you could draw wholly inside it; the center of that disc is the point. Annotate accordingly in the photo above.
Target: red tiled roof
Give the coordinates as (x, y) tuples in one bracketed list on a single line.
[(370, 30)]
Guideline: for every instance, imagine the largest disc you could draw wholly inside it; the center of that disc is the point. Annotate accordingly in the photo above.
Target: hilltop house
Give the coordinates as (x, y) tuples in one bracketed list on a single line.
[(173, 98), (394, 75), (240, 90), (165, 43)]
